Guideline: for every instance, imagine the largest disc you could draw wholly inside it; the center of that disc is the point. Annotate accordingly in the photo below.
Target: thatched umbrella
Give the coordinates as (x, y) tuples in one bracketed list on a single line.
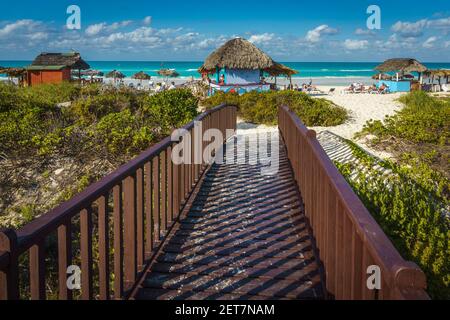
[(402, 65), (141, 76), (18, 73), (115, 74), (88, 73), (281, 70), (238, 54), (168, 73), (439, 73), (381, 76)]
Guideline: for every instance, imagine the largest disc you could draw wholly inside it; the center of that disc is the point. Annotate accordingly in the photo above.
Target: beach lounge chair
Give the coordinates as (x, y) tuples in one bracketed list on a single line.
[(348, 90), (446, 87)]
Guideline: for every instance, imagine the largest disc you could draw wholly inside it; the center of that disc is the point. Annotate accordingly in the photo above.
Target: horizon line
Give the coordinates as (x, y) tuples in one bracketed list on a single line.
[(163, 61)]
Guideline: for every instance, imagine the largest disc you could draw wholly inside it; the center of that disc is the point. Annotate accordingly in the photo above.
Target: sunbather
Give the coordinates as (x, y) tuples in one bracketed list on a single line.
[(383, 88)]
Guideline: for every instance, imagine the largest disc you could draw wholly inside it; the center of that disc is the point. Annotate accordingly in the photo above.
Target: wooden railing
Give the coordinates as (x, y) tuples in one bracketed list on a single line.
[(347, 237), (112, 229)]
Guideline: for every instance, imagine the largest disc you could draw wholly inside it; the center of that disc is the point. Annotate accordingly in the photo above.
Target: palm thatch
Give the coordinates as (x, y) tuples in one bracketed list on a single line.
[(280, 69), (88, 73), (72, 60), (13, 72), (141, 76), (241, 54), (381, 76), (168, 73), (238, 54), (401, 65), (437, 73), (115, 74)]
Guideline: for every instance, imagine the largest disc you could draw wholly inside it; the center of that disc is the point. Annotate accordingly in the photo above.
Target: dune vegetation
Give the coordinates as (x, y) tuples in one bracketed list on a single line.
[(411, 203), (262, 108), (57, 139)]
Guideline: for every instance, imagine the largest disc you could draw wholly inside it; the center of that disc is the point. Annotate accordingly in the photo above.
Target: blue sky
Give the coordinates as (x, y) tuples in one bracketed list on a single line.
[(188, 30)]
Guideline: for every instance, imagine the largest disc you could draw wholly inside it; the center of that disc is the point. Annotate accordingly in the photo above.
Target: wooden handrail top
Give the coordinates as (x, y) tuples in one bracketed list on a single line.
[(378, 244), (47, 223)]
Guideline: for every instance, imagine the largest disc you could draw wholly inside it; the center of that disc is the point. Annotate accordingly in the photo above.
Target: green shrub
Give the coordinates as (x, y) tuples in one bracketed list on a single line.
[(92, 108), (423, 119), (120, 134), (409, 205), (169, 109), (262, 108)]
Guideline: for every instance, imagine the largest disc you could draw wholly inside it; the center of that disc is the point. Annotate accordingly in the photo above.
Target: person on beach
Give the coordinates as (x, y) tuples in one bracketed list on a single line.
[(383, 88), (222, 79)]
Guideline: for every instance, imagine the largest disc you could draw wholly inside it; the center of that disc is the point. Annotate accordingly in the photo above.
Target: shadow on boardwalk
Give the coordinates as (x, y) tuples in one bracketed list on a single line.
[(245, 237)]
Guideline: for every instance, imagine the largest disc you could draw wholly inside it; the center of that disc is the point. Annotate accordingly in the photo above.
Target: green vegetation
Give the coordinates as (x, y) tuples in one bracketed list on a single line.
[(262, 108), (420, 130), (411, 202), (116, 123), (409, 205), (47, 125)]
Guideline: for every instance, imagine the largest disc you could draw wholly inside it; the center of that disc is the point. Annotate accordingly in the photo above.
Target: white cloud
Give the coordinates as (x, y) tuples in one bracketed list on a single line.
[(313, 36), (416, 29), (443, 23), (11, 28), (98, 28), (94, 29), (350, 44), (38, 36), (364, 32), (261, 38), (410, 29), (429, 43)]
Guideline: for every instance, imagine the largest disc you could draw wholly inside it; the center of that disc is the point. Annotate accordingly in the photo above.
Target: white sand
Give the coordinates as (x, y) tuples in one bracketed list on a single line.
[(362, 108)]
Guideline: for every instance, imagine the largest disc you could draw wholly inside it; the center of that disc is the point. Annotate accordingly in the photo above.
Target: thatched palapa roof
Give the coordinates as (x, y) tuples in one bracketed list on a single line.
[(141, 76), (438, 73), (168, 73), (241, 54), (382, 76), (402, 65), (62, 60), (13, 72), (280, 69), (115, 74)]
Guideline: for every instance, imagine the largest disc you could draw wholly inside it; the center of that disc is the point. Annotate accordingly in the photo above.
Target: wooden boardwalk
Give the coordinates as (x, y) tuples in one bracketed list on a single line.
[(244, 237), (161, 230)]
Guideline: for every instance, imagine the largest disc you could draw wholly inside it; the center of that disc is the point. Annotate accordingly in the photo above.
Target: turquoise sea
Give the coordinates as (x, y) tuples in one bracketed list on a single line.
[(188, 69)]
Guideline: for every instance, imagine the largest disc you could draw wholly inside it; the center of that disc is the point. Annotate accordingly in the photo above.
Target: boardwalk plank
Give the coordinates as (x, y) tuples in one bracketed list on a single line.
[(245, 237)]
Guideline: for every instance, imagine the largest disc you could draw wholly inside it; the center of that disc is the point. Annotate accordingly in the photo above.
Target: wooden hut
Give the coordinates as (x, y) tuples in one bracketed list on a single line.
[(239, 66), (400, 66), (54, 67)]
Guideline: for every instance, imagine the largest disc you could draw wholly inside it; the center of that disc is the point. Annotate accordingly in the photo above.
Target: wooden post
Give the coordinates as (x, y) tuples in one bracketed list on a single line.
[(9, 278)]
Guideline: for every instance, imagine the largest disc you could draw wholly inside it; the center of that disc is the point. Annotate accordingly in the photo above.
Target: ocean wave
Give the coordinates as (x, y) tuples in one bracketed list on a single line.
[(190, 70), (355, 70), (332, 77)]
